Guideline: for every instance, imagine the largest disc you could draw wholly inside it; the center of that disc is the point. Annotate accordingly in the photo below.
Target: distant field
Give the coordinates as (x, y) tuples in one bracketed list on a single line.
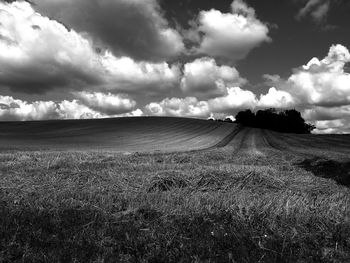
[(245, 195), (144, 134)]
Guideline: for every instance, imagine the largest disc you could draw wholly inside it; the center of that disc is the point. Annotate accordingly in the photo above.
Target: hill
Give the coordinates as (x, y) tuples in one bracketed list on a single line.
[(143, 134)]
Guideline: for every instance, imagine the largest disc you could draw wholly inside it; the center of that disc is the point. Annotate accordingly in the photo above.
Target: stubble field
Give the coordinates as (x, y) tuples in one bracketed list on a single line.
[(205, 192)]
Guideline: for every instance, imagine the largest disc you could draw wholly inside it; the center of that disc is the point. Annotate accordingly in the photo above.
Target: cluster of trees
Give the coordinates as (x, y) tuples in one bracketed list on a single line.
[(288, 121)]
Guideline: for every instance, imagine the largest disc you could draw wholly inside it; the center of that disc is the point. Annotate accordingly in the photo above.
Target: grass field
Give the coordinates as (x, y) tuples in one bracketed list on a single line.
[(215, 193)]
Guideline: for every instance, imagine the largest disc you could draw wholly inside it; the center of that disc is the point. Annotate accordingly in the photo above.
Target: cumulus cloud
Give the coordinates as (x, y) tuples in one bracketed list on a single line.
[(236, 99), (203, 78), (321, 88), (76, 110), (276, 99), (230, 36), (316, 9), (134, 28), (15, 109), (126, 75), (322, 113), (38, 54), (329, 120), (322, 82), (189, 107), (12, 109), (109, 104), (134, 113), (87, 106)]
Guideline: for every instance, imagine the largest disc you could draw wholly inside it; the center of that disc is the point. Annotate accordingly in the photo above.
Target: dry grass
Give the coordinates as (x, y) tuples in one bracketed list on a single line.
[(219, 205)]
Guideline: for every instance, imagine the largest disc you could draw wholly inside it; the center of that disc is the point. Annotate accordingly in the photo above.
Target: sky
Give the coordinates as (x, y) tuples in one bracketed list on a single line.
[(63, 59)]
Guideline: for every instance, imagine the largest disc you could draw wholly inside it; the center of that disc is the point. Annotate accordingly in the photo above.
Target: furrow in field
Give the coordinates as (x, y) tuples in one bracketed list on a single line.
[(254, 143), (228, 139), (248, 141), (122, 134), (236, 143), (306, 146)]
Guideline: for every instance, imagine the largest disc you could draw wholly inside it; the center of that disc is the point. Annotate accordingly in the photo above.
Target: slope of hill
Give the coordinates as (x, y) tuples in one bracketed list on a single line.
[(119, 134)]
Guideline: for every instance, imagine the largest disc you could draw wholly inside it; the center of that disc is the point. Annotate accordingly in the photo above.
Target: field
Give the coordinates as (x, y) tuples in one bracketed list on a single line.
[(171, 190), (146, 134)]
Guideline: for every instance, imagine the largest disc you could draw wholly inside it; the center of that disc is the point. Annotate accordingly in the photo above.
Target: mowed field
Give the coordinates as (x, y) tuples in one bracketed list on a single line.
[(217, 193), (144, 134)]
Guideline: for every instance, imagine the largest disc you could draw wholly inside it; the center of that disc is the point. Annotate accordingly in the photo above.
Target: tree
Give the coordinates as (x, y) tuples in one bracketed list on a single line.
[(289, 121), (246, 118)]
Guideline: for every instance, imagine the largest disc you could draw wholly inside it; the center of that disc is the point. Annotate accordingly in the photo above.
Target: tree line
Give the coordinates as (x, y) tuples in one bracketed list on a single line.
[(287, 121)]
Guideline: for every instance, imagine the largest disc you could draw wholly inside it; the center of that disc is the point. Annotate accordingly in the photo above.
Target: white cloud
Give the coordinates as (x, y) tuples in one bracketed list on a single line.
[(319, 82), (321, 89), (135, 113), (38, 54), (134, 28), (189, 107), (106, 103), (88, 106), (15, 109), (323, 82), (76, 110), (276, 99), (203, 78), (230, 36), (236, 99), (124, 74)]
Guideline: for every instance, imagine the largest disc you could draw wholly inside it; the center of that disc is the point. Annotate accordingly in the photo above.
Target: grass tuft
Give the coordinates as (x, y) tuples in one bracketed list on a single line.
[(167, 180)]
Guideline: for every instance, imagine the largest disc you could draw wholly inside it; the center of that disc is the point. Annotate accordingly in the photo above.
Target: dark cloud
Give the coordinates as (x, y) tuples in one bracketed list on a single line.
[(327, 114), (38, 59), (316, 9), (134, 28), (39, 79)]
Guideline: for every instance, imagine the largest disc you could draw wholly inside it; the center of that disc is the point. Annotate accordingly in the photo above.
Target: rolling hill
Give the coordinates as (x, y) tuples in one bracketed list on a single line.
[(248, 194), (145, 134)]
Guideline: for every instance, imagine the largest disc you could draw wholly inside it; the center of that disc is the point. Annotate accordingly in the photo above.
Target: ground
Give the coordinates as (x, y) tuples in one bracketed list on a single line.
[(250, 196)]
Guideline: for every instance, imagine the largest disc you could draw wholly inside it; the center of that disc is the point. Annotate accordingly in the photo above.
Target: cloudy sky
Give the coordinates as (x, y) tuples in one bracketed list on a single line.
[(64, 59)]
